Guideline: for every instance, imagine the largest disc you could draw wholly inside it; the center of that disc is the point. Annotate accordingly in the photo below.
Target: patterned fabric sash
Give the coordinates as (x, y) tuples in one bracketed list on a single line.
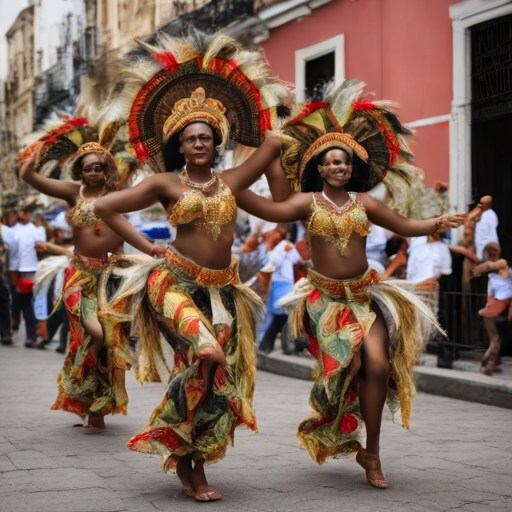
[(348, 289), (188, 270), (85, 263)]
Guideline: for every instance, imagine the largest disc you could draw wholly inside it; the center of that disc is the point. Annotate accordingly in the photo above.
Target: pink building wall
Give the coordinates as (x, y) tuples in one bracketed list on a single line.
[(402, 49)]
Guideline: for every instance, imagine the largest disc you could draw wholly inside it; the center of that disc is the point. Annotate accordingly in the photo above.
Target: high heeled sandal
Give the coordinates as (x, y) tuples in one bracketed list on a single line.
[(370, 462)]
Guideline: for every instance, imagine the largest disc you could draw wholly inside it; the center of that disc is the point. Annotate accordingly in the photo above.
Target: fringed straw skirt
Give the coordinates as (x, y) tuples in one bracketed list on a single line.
[(196, 308), (335, 316), (90, 385)]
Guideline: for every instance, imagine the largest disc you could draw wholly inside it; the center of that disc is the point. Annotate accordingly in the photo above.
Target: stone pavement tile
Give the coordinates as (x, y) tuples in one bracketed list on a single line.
[(97, 461), (6, 465), (31, 459), (458, 498), (6, 447), (15, 489), (492, 505), (64, 479), (78, 500)]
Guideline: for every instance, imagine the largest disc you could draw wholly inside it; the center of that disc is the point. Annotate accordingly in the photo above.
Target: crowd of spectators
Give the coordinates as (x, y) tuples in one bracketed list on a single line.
[(25, 238)]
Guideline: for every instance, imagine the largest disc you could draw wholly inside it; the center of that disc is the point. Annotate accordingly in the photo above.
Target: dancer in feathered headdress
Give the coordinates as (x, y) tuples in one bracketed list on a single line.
[(91, 382), (184, 99), (337, 150)]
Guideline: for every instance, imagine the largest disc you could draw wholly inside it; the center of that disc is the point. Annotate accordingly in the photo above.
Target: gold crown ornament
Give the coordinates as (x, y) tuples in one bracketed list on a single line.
[(85, 149), (197, 108)]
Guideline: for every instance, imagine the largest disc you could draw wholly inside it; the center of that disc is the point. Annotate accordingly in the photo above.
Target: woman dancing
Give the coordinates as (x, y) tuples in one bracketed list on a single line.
[(92, 380), (365, 334), (204, 87)]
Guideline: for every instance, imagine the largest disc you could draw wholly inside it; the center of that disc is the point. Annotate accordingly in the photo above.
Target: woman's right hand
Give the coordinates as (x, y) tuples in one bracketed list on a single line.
[(450, 221), (158, 250)]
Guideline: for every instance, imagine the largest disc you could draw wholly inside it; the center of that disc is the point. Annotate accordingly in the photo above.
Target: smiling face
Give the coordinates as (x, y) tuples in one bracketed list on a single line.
[(197, 144), (93, 169), (336, 168)]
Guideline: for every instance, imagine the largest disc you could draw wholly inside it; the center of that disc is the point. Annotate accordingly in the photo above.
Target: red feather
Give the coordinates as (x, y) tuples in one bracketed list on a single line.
[(309, 109), (51, 137), (167, 60)]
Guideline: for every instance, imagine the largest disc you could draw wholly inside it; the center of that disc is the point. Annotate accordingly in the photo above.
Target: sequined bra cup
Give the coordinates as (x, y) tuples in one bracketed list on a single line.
[(336, 224), (82, 214), (209, 212)]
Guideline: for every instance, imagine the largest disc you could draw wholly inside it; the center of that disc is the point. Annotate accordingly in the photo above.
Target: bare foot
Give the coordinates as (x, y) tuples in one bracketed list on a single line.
[(95, 424), (370, 462), (184, 470), (203, 491)]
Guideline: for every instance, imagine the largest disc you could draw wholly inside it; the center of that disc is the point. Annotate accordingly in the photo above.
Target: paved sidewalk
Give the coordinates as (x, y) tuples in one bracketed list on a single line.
[(457, 455)]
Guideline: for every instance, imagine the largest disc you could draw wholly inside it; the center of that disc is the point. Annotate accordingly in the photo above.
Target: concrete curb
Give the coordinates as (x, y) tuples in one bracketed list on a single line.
[(472, 387), (469, 386), (280, 366)]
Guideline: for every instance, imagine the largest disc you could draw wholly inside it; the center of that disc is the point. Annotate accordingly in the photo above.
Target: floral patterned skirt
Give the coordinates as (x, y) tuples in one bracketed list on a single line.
[(196, 308), (90, 385), (335, 316)]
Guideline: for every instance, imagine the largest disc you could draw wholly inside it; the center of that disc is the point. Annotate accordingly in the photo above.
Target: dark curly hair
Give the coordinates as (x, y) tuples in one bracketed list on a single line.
[(174, 160), (111, 171), (312, 181)]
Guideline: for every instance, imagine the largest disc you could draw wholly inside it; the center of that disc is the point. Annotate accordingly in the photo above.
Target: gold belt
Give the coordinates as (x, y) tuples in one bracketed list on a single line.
[(89, 263), (348, 289), (187, 269)]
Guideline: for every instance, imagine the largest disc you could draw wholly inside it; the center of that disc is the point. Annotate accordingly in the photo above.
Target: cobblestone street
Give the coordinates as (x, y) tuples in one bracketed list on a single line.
[(457, 455)]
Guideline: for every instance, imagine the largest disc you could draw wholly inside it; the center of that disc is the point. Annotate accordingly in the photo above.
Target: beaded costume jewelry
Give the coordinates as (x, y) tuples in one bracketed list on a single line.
[(209, 212), (82, 214), (336, 224)]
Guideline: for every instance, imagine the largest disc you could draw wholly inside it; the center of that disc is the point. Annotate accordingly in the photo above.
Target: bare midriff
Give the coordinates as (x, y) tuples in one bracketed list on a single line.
[(194, 242), (328, 261), (93, 243)]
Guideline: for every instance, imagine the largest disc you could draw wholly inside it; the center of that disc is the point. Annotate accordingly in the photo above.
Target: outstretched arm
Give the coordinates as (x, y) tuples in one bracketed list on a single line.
[(490, 266), (66, 190), (296, 207), (243, 176), (468, 253), (383, 216), (144, 195)]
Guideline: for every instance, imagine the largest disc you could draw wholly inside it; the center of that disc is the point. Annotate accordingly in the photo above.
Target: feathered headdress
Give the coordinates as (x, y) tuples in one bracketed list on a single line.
[(367, 130), (60, 139), (174, 80)]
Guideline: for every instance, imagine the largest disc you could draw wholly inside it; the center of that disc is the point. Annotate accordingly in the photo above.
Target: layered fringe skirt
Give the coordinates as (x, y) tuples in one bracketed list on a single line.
[(194, 308), (90, 385), (335, 316)]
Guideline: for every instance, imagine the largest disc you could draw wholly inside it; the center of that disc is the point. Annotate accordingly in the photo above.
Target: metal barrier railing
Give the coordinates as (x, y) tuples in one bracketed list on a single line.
[(458, 315)]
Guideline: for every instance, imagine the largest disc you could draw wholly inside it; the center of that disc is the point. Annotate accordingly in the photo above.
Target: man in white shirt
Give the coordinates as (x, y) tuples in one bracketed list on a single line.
[(26, 235), (282, 257), (486, 227), (428, 259), (10, 246)]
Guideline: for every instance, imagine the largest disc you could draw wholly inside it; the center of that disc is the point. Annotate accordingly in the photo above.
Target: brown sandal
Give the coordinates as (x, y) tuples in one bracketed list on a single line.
[(370, 462)]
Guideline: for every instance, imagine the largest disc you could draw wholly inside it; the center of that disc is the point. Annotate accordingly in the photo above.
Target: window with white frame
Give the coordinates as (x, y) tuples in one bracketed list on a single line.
[(317, 65)]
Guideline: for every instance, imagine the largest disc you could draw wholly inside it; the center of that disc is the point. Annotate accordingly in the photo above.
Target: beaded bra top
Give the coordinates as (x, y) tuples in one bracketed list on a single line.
[(82, 214), (209, 212), (336, 224)]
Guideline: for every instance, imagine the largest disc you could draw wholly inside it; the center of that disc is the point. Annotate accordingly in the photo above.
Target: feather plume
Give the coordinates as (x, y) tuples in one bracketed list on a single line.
[(341, 99)]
